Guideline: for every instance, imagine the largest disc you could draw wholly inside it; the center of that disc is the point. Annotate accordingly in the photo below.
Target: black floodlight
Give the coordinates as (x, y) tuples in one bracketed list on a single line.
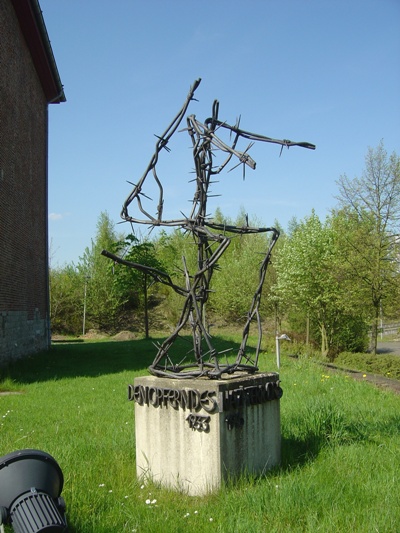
[(31, 482)]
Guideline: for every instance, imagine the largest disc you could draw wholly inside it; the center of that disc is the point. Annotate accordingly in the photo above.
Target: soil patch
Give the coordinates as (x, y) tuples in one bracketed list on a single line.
[(125, 336)]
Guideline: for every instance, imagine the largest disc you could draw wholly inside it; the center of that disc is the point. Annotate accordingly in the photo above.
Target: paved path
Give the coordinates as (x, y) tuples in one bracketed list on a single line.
[(392, 347), (380, 381)]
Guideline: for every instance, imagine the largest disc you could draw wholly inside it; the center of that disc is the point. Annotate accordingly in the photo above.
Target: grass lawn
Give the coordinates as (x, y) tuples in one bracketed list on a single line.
[(340, 448)]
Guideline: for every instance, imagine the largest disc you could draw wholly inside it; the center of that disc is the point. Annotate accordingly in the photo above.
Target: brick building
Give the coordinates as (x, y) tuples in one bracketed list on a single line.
[(29, 81)]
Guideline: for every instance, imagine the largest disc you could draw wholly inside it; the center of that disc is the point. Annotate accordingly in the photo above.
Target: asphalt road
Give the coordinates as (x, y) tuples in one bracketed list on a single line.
[(392, 347)]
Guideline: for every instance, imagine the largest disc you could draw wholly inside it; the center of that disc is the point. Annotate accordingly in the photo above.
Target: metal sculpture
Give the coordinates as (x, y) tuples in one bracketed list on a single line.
[(211, 239)]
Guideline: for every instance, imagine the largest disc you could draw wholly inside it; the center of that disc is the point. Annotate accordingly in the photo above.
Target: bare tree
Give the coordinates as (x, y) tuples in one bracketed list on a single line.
[(374, 201)]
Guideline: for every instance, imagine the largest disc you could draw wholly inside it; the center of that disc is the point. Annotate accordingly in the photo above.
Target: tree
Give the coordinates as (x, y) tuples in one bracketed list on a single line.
[(170, 248), (134, 282), (103, 301), (372, 203), (66, 300), (310, 288), (234, 286), (302, 264)]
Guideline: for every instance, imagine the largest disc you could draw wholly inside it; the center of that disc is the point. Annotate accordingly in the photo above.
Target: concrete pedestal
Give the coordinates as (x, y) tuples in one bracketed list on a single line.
[(193, 434)]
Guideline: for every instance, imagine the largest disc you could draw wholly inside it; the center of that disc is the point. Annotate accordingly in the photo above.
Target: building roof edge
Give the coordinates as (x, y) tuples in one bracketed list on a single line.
[(31, 21)]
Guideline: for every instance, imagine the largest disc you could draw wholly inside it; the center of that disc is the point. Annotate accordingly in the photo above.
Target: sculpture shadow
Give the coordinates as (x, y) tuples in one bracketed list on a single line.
[(93, 359)]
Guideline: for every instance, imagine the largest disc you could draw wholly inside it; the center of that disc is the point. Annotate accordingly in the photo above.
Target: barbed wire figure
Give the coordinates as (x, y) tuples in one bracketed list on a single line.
[(211, 239)]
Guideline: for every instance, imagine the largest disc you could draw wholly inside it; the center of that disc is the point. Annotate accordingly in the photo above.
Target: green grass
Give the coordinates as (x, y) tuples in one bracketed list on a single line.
[(385, 365), (340, 448), (8, 385)]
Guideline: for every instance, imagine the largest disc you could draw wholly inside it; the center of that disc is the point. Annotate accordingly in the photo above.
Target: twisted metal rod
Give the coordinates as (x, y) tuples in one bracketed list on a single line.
[(212, 240)]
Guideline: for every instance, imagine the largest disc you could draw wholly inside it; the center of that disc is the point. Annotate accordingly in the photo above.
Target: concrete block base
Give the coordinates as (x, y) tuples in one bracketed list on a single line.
[(193, 434)]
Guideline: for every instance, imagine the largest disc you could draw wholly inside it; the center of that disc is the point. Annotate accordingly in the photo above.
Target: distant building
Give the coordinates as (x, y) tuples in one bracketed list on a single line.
[(29, 81)]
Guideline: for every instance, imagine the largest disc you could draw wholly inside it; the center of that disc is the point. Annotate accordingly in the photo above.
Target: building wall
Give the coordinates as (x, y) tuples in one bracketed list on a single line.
[(23, 197)]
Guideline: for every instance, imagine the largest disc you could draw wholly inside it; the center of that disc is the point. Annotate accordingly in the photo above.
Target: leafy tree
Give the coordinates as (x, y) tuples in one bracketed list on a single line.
[(66, 300), (170, 249), (270, 305), (309, 285), (301, 268), (234, 286), (103, 299), (135, 283), (372, 203)]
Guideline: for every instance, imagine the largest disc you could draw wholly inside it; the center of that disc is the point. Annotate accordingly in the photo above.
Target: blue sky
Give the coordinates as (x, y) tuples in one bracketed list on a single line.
[(326, 72)]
